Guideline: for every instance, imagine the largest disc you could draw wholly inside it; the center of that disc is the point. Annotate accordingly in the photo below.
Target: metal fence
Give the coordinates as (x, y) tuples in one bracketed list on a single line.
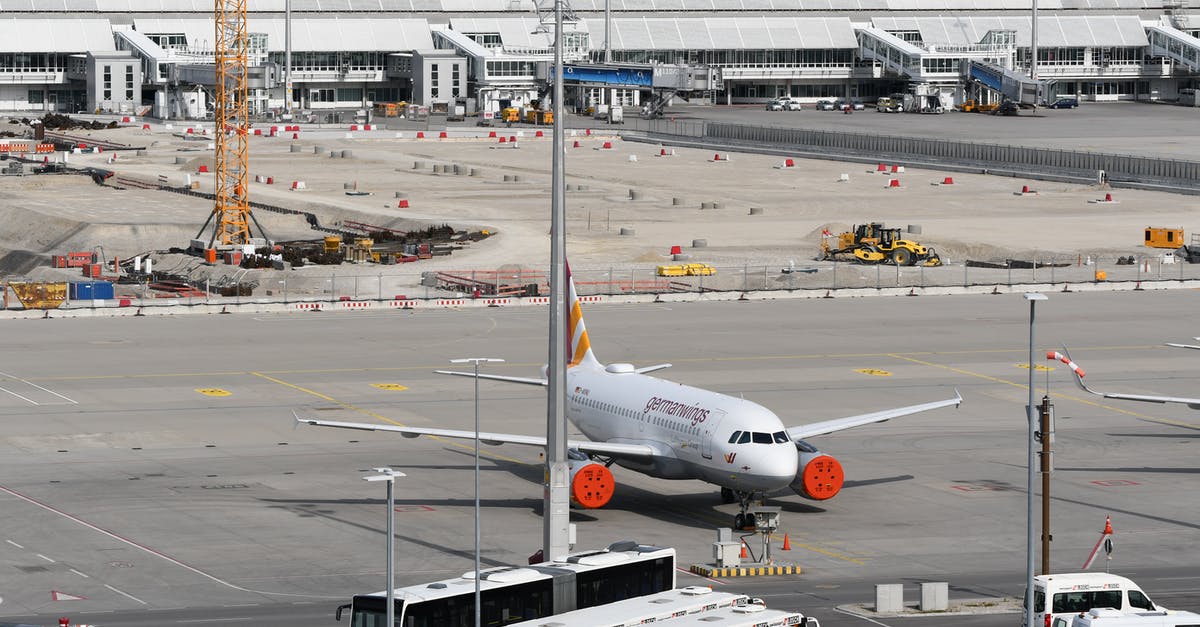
[(1117, 167), (815, 277)]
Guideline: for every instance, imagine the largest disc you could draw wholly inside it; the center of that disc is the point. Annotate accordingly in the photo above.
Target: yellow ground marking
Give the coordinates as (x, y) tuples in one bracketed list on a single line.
[(381, 417), (394, 387), (873, 372), (1037, 368), (1023, 386), (214, 392)]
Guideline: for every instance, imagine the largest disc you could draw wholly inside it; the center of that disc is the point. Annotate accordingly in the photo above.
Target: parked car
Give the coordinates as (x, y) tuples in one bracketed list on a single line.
[(858, 105), (1064, 103), (790, 105), (826, 105), (774, 105)]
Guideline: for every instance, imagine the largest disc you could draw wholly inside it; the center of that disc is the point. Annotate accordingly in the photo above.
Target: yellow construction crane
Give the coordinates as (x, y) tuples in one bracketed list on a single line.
[(231, 209)]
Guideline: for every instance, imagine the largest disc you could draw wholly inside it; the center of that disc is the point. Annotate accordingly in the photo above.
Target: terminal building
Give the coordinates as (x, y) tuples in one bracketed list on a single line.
[(154, 57)]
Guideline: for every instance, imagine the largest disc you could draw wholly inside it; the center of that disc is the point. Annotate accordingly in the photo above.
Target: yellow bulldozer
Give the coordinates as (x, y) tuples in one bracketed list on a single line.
[(873, 243)]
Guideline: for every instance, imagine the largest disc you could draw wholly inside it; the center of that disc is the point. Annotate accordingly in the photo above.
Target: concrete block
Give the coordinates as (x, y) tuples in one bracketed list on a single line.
[(889, 597), (935, 596)]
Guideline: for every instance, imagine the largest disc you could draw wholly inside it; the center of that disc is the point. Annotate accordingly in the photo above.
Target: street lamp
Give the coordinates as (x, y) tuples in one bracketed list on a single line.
[(389, 475), (476, 361), (1033, 298)]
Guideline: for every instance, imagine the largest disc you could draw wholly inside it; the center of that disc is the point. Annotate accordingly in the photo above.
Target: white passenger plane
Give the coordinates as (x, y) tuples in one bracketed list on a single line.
[(671, 431), (1065, 357)]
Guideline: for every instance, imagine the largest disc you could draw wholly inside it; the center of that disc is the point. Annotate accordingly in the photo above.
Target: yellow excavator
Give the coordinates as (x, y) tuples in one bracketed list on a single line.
[(873, 243)]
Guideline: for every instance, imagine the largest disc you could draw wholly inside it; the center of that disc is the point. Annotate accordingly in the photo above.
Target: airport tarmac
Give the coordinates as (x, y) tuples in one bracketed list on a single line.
[(151, 468)]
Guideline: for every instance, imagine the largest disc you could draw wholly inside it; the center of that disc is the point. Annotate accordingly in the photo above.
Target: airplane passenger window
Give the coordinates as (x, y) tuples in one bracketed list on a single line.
[(745, 439), (762, 438), (780, 438)]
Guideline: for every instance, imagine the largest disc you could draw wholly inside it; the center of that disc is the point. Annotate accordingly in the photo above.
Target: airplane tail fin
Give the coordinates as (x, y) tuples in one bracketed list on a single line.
[(580, 347)]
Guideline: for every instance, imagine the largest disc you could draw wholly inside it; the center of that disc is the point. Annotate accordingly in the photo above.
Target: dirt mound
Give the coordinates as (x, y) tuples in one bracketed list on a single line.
[(19, 262)]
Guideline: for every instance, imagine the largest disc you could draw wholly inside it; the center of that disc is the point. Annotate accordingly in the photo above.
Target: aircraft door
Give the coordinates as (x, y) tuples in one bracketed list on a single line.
[(710, 432)]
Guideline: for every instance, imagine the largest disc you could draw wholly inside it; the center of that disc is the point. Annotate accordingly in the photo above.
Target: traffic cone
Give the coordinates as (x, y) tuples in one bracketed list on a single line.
[(576, 145), (1108, 198), (743, 554), (1107, 525), (949, 180), (787, 543)]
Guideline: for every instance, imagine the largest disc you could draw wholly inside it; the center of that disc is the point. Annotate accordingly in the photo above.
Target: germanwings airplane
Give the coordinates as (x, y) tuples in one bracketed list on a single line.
[(671, 431), (1065, 357)]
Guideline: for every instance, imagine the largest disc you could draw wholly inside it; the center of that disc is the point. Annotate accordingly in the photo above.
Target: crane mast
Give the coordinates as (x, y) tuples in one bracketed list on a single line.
[(231, 209)]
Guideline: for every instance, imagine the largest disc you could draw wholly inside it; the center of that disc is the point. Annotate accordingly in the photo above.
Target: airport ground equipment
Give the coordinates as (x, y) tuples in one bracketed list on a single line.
[(874, 243)]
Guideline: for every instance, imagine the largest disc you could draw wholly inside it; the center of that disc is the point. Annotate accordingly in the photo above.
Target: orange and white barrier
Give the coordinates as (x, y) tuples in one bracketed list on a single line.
[(355, 304), (298, 185), (893, 184), (1025, 191)]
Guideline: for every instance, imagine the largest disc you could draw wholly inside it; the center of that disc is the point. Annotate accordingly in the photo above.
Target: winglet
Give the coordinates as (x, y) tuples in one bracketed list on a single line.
[(1065, 357)]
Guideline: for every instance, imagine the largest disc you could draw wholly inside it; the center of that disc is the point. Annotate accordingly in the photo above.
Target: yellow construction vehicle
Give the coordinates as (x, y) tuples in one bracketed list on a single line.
[(510, 114), (873, 243), (974, 106)]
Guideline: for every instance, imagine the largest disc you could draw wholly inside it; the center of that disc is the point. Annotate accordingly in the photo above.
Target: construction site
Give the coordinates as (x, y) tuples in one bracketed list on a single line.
[(359, 213)]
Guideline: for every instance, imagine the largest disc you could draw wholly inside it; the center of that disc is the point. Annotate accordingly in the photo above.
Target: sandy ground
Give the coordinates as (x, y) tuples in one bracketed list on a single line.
[(978, 217)]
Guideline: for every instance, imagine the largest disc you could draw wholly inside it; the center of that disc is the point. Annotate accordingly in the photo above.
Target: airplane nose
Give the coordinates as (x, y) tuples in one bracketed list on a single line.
[(783, 463)]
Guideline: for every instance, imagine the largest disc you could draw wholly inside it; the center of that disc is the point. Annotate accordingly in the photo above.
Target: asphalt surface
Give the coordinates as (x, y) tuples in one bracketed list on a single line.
[(152, 475)]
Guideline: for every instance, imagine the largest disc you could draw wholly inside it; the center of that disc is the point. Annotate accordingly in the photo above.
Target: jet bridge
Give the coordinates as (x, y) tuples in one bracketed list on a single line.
[(1010, 84), (1174, 44), (665, 80)]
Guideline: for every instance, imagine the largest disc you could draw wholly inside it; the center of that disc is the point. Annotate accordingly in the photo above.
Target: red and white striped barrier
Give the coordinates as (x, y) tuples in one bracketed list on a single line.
[(589, 299), (355, 304), (308, 305), (497, 302), (1054, 355), (403, 304), (538, 300), (451, 302)]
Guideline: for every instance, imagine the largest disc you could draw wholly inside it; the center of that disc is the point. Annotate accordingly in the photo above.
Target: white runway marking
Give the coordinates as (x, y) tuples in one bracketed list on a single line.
[(125, 594), (35, 386), (79, 573), (14, 544), (46, 558)]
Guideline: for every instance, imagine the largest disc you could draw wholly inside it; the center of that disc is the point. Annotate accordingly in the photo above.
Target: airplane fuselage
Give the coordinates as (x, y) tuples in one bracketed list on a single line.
[(692, 427)]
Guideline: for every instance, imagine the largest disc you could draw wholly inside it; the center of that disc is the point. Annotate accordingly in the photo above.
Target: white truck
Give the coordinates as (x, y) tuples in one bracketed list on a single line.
[(1110, 617)]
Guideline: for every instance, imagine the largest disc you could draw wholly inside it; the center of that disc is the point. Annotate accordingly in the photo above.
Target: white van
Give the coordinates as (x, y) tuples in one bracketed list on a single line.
[(1065, 596), (1109, 617)]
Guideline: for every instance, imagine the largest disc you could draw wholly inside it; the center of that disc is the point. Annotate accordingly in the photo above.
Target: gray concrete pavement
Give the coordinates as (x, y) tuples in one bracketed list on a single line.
[(150, 463)]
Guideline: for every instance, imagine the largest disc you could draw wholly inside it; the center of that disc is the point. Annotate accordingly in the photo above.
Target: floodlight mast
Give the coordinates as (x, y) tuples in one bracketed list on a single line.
[(556, 508)]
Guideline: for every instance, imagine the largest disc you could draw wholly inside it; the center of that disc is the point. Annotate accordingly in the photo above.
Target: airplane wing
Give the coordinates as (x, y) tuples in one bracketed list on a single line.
[(496, 377), (830, 426), (1065, 357), (1191, 346), (640, 451)]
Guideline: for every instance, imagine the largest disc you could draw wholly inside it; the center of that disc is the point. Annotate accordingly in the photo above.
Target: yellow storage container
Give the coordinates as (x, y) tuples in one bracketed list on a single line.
[(1157, 237)]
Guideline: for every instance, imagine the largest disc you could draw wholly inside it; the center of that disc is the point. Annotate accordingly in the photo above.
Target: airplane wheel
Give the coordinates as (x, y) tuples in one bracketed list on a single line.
[(727, 495), (739, 521)]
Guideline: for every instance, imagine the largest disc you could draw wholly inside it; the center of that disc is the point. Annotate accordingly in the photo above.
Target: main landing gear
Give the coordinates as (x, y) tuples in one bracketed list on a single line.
[(742, 520)]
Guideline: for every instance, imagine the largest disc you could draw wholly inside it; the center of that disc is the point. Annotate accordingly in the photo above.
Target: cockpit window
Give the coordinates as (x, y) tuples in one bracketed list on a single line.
[(734, 438), (745, 439), (762, 438), (780, 437)]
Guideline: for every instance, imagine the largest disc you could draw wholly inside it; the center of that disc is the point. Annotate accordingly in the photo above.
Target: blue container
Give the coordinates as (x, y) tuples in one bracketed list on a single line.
[(91, 290)]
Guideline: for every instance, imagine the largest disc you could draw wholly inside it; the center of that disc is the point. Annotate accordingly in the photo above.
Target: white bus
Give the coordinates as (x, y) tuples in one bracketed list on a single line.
[(648, 609), (510, 594)]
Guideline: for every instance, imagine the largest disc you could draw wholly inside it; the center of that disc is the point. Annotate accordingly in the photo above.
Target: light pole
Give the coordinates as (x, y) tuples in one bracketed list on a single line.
[(1033, 298), (476, 361), (389, 475)]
